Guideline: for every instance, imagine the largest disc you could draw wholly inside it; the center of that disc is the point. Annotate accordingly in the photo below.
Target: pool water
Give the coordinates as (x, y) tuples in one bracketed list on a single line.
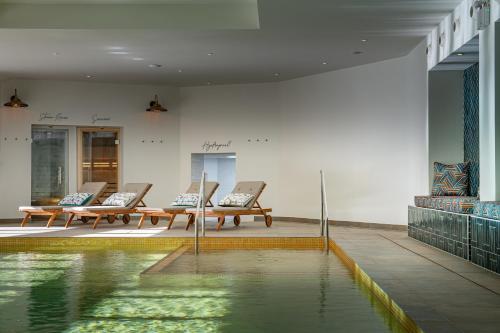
[(226, 291)]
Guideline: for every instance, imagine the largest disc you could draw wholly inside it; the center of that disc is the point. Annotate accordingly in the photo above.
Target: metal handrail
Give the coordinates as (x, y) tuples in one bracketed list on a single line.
[(324, 225), (201, 204)]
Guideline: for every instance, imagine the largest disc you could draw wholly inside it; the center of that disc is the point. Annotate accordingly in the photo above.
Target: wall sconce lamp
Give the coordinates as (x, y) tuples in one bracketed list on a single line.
[(155, 106), (15, 102)]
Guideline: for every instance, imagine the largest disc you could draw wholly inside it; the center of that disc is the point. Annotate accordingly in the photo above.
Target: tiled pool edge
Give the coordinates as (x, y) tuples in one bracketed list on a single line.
[(362, 277), (170, 243)]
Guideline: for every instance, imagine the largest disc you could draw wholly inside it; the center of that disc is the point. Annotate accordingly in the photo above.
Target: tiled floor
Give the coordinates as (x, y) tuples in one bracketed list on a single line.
[(118, 229), (442, 293)]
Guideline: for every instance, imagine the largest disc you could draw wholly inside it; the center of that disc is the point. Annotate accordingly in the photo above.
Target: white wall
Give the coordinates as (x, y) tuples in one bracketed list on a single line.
[(365, 126), (124, 104), (446, 118)]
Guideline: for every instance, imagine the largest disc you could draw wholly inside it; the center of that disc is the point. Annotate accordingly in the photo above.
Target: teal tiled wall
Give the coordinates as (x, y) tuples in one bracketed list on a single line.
[(444, 230), (485, 243), (471, 125)]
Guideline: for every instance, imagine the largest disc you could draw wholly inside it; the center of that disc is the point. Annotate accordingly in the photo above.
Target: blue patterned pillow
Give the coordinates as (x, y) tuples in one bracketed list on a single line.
[(451, 179), (186, 199), (75, 199)]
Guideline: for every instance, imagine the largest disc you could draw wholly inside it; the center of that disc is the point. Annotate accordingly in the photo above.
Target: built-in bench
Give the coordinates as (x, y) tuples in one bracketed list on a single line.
[(448, 231), (485, 235), (474, 235)]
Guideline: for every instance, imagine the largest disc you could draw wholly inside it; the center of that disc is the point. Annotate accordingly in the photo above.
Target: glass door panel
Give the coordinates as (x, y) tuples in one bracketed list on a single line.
[(220, 168), (99, 157), (49, 161)]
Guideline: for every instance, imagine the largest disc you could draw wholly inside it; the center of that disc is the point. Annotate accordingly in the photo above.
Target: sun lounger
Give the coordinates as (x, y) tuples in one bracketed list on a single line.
[(171, 212), (252, 207), (110, 212), (96, 188)]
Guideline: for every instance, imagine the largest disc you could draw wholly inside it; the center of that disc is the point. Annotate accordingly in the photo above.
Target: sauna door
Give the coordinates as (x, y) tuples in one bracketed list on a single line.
[(99, 157)]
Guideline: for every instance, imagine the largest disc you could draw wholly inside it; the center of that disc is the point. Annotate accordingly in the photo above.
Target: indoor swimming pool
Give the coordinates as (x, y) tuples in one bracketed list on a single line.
[(218, 291)]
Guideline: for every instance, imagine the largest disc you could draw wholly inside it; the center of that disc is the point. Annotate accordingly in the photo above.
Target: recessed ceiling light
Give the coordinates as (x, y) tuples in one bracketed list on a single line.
[(179, 70), (460, 54), (209, 83), (118, 52), (357, 52), (56, 54), (154, 65), (324, 63), (364, 40), (88, 76), (210, 53), (138, 59), (276, 74)]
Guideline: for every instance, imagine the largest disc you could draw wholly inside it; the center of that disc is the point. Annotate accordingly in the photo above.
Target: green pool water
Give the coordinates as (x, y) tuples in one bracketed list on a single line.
[(229, 291)]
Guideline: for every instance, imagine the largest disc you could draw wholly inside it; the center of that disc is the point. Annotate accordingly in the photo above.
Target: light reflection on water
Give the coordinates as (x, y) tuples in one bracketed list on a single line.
[(230, 291)]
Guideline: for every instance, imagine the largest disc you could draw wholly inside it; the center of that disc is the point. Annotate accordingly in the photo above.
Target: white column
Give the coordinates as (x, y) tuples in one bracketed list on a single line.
[(489, 113)]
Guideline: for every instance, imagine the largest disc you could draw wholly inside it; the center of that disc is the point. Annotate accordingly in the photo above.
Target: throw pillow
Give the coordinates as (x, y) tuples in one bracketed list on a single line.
[(236, 200), (75, 199), (121, 199), (451, 179), (186, 199)]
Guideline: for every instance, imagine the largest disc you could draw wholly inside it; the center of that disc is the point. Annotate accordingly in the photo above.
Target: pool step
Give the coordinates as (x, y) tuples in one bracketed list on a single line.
[(160, 265)]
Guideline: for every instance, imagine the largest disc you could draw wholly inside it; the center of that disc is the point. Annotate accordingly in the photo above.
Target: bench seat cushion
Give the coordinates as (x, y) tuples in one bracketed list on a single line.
[(487, 209), (462, 205)]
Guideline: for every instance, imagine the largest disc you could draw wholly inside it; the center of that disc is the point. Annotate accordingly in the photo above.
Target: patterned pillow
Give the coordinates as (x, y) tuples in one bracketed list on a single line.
[(121, 199), (451, 179), (186, 199), (236, 200), (75, 199)]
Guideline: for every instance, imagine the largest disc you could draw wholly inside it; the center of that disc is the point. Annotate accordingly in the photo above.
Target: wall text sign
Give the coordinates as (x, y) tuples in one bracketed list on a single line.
[(51, 116), (209, 146)]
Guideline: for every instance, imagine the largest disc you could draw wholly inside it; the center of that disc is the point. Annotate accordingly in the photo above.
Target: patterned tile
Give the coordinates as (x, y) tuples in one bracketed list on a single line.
[(444, 230), (487, 209), (462, 205), (485, 243), (471, 126)]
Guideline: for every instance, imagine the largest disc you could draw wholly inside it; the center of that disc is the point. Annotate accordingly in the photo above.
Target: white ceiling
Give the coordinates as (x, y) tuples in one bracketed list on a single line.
[(295, 38), (461, 59)]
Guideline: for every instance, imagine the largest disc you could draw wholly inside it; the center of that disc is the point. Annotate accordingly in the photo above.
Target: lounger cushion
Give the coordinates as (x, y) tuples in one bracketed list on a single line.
[(250, 187), (487, 209), (120, 199), (236, 200), (186, 200), (75, 199), (462, 205), (451, 179), (37, 208), (96, 209), (141, 189)]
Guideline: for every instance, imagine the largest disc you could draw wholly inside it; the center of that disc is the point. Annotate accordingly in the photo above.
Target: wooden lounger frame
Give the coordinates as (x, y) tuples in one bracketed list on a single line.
[(171, 214), (257, 210), (54, 213), (110, 214)]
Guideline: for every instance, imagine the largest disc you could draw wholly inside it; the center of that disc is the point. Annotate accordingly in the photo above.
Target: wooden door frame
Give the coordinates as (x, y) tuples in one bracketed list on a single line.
[(79, 145)]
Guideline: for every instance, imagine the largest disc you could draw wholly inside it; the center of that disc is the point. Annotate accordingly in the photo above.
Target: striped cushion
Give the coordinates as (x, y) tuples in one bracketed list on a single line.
[(451, 179), (488, 209), (462, 205)]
